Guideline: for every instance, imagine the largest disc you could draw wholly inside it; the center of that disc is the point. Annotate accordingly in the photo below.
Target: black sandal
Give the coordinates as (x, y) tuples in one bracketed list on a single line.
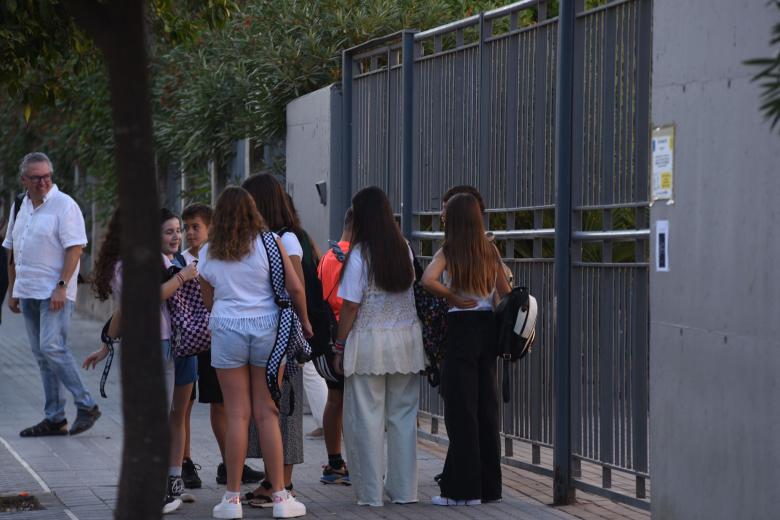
[(46, 428)]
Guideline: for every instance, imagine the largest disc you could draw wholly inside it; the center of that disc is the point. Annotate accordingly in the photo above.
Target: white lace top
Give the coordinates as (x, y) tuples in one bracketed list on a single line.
[(386, 337)]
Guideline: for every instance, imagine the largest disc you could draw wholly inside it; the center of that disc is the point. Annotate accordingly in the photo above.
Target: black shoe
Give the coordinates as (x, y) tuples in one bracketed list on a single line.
[(189, 474), (176, 489), (46, 427), (85, 420), (249, 475)]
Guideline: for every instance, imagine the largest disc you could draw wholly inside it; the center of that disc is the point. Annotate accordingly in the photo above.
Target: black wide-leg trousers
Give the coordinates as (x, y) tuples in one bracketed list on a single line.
[(472, 469)]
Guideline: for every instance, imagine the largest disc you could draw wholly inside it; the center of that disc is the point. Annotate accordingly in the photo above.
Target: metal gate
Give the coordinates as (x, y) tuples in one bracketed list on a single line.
[(473, 102)]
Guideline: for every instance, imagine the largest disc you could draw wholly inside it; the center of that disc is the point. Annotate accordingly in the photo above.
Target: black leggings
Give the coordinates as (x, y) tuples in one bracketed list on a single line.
[(472, 469)]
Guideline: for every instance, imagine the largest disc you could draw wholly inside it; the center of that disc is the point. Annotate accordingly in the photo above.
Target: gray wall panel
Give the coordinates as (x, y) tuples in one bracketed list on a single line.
[(715, 317)]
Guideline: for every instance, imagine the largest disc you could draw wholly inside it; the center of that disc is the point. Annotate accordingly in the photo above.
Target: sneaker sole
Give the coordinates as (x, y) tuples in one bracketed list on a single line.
[(339, 481), (227, 516), (290, 515), (171, 507), (44, 434)]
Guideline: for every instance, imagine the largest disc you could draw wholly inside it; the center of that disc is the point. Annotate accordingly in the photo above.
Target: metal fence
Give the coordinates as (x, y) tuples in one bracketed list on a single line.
[(474, 103)]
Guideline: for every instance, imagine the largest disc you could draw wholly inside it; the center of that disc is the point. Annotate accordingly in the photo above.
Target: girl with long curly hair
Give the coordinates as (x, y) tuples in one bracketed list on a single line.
[(471, 269), (236, 285)]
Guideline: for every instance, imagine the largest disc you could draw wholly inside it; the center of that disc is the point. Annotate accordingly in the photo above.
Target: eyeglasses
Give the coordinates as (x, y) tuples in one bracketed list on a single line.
[(39, 178)]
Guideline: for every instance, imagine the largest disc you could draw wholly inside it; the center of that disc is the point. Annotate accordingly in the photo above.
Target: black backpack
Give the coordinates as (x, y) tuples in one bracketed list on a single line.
[(323, 321)]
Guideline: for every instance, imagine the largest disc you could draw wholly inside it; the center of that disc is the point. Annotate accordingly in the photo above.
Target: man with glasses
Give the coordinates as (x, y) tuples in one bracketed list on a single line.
[(46, 236)]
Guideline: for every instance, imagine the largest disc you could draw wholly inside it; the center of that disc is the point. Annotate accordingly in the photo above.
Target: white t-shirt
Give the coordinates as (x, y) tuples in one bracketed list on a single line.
[(292, 245), (242, 289), (355, 279), (189, 257), (39, 239), (116, 296), (484, 303)]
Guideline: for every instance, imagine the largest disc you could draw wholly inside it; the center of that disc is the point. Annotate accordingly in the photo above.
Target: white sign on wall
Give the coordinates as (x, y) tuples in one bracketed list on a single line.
[(662, 147)]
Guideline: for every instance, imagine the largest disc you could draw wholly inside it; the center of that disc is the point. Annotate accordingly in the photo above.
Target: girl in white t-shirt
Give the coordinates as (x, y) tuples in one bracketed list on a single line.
[(380, 351), (473, 273), (277, 212), (236, 285)]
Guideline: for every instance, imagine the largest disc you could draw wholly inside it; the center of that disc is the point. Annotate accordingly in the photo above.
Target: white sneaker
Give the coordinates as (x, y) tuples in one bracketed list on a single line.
[(228, 509), (287, 506), (170, 505), (444, 501)]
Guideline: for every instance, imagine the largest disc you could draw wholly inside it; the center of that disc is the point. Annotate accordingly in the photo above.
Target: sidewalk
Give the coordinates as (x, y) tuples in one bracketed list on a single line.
[(76, 477)]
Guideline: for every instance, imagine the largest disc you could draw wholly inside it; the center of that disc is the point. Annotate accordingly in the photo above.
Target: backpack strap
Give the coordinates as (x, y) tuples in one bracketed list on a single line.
[(287, 333), (18, 201)]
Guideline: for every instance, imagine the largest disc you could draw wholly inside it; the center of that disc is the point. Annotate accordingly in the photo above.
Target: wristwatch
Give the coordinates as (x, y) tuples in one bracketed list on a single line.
[(62, 283)]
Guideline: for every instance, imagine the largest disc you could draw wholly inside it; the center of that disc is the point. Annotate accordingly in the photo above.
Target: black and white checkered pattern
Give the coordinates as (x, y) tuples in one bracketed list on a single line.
[(189, 321), (289, 335)]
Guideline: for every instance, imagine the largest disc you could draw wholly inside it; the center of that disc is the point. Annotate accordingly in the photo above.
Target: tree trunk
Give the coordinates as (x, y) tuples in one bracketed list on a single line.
[(119, 29)]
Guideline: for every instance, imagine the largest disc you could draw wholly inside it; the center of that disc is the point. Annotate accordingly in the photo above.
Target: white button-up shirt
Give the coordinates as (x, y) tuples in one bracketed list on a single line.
[(39, 239)]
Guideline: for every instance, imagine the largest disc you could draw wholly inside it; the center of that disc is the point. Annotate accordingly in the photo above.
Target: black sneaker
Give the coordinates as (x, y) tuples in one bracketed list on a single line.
[(46, 427), (176, 489), (189, 474), (248, 476), (85, 420)]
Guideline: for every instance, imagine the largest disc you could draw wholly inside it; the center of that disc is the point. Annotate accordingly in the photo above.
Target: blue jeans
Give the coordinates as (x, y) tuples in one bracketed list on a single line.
[(48, 334)]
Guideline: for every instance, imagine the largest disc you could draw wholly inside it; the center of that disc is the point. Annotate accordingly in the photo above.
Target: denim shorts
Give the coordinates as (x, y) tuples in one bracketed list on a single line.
[(237, 348), (186, 370)]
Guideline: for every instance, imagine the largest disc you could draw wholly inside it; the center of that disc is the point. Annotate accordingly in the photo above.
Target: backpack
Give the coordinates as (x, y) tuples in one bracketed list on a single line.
[(323, 321), (324, 363), (516, 320), (189, 317), (432, 312)]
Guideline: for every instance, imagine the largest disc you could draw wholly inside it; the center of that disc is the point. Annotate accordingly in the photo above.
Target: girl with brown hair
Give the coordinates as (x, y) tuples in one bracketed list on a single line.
[(379, 349), (274, 205), (236, 285), (470, 267)]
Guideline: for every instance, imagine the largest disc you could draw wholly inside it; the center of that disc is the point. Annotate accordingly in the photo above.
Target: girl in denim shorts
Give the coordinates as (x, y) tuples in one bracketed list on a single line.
[(236, 285)]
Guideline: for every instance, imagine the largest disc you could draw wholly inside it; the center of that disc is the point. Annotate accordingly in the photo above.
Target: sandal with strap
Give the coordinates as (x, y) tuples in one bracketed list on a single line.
[(261, 500), (45, 428)]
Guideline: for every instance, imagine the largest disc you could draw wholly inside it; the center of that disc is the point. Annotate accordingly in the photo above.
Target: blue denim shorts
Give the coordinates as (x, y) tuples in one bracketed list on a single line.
[(186, 370), (237, 348)]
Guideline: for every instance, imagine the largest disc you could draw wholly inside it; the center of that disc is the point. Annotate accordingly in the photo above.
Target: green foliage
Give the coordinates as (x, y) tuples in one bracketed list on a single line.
[(221, 71), (768, 76)]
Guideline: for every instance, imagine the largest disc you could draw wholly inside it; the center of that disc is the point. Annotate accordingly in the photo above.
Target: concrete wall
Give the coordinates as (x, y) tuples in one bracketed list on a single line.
[(313, 155), (715, 316)]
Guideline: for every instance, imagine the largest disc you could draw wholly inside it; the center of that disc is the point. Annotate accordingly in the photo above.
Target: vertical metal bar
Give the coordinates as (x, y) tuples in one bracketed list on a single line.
[(391, 129), (577, 279), (512, 116), (346, 135), (483, 177), (641, 333), (407, 139), (563, 488)]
